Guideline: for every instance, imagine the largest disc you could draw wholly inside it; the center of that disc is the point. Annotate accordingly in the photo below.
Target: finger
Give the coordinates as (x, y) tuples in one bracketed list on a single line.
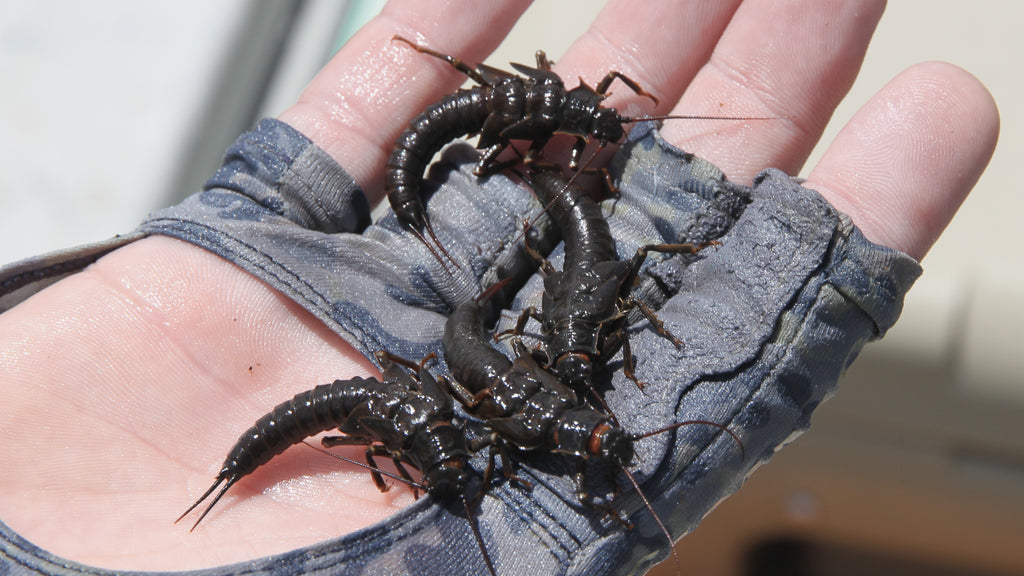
[(794, 60), (660, 47), (357, 105), (905, 162)]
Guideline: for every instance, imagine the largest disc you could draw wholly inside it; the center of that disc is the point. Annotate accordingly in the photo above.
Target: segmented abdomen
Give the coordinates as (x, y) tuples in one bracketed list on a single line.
[(588, 238), (325, 407), (454, 116), (467, 350)]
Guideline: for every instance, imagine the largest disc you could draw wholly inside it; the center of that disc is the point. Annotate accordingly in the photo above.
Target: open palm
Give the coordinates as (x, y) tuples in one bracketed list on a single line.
[(125, 385)]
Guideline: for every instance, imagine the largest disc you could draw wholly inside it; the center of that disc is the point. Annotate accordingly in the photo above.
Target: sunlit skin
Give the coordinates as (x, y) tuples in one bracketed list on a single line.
[(126, 384)]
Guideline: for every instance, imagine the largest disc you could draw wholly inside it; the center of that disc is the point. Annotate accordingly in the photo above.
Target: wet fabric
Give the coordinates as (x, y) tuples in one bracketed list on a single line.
[(769, 318)]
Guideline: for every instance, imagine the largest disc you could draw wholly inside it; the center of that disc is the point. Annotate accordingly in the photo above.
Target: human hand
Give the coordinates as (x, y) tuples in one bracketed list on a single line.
[(138, 358)]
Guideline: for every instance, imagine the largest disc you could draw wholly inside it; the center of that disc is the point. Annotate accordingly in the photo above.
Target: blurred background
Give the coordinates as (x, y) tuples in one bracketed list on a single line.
[(113, 108)]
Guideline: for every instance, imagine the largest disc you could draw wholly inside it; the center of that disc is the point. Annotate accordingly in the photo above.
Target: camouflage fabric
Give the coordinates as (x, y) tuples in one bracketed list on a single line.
[(770, 318)]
